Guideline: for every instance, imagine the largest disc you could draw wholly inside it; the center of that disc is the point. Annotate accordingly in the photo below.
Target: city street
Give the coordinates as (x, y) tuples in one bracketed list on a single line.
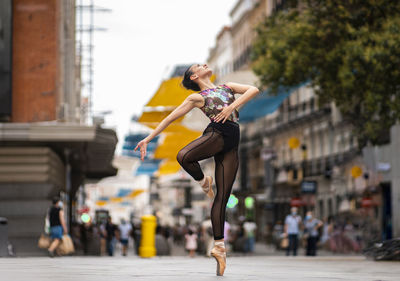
[(198, 268)]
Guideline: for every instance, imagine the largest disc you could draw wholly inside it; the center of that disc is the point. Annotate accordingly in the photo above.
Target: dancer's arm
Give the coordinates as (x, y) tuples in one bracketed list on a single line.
[(247, 92), (192, 101)]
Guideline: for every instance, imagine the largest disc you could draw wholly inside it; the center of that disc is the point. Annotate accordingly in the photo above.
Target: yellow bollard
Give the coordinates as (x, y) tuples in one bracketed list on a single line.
[(147, 247)]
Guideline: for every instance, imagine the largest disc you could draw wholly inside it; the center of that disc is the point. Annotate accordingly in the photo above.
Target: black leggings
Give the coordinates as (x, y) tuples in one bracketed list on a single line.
[(221, 141)]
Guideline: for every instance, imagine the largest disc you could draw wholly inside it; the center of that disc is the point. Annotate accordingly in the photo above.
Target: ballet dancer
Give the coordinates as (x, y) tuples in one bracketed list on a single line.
[(220, 140)]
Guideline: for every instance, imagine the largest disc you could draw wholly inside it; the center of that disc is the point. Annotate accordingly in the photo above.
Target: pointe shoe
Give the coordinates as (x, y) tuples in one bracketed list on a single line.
[(219, 253), (207, 188)]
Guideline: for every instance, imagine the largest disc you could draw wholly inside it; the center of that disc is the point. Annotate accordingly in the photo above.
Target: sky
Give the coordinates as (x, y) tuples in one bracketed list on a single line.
[(144, 39)]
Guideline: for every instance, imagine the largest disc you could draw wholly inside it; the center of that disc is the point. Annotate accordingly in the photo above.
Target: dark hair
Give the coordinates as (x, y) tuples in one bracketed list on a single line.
[(190, 232), (56, 199), (189, 83)]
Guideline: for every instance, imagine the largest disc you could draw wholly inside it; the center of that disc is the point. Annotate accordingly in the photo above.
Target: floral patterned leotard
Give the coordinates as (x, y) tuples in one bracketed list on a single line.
[(216, 99)]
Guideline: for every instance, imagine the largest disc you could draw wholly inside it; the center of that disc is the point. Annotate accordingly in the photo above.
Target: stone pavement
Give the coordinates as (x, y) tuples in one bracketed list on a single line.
[(199, 268)]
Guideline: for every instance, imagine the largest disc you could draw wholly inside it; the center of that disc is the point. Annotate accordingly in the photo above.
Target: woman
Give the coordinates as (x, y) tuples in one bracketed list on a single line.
[(57, 224), (311, 226), (191, 242), (219, 140)]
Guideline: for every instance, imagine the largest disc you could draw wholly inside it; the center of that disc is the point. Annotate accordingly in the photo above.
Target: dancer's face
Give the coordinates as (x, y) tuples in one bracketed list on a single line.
[(200, 71)]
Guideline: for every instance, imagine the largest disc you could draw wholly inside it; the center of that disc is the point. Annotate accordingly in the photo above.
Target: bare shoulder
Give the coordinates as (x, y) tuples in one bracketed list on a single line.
[(196, 99), (239, 88)]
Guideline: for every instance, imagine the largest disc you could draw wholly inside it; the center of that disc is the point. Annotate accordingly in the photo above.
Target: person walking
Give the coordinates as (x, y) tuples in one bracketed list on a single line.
[(124, 233), (57, 224), (110, 236), (191, 242), (291, 230), (219, 140), (311, 226)]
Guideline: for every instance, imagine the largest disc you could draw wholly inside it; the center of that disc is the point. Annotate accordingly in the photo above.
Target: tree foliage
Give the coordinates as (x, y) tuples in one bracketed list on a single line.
[(349, 50)]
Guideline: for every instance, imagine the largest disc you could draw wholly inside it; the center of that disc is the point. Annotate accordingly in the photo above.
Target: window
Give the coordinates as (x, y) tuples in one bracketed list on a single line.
[(312, 104)]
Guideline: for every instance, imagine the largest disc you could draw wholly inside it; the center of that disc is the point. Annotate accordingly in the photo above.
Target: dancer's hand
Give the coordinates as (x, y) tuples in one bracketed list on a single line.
[(143, 147), (224, 114)]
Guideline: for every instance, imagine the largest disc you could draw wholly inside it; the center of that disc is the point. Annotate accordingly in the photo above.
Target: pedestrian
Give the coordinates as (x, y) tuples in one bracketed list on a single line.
[(219, 140), (103, 238), (162, 246), (249, 233), (311, 226), (291, 230), (57, 224), (110, 236), (137, 235), (191, 242), (124, 233)]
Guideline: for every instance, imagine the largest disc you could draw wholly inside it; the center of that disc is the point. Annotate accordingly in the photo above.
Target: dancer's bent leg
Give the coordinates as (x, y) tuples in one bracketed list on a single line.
[(206, 146)]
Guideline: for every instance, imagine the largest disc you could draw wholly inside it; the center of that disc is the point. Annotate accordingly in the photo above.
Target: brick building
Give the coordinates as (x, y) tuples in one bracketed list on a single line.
[(45, 149)]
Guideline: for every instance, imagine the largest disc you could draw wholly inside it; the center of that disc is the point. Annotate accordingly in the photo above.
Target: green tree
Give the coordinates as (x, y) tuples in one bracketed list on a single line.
[(349, 51)]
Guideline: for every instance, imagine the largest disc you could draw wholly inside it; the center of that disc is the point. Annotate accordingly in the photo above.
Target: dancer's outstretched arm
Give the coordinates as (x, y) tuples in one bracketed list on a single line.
[(247, 93), (194, 100)]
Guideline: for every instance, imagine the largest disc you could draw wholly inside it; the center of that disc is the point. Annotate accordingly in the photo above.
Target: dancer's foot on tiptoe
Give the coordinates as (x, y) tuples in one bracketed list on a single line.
[(207, 186), (219, 253)]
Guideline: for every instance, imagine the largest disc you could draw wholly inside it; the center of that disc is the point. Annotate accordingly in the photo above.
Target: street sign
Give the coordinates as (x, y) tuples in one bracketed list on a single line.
[(309, 187)]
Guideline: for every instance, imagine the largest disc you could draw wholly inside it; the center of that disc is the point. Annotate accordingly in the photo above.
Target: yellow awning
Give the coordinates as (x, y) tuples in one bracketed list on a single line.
[(168, 167), (171, 93), (173, 143), (135, 193), (174, 127), (154, 116)]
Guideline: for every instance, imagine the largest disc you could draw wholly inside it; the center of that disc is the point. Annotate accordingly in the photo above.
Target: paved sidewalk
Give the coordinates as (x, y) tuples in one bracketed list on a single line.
[(198, 268)]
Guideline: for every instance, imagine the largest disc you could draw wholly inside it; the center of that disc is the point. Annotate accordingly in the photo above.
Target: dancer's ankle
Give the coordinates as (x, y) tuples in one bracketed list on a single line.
[(202, 181), (219, 243)]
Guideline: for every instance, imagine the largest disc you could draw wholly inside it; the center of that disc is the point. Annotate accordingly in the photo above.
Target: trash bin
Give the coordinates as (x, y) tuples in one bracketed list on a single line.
[(3, 237)]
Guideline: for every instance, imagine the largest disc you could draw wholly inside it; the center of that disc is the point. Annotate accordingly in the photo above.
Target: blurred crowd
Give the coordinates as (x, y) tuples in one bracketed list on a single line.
[(340, 234), (195, 239), (344, 233)]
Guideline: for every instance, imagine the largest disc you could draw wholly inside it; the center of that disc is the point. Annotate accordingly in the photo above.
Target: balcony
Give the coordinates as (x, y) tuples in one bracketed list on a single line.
[(322, 165)]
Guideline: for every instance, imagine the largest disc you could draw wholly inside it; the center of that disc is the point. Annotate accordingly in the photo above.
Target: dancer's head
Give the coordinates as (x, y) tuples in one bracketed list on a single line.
[(194, 75)]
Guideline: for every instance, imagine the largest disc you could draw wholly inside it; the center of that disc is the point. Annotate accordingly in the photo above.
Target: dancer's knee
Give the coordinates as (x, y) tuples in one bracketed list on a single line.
[(180, 157)]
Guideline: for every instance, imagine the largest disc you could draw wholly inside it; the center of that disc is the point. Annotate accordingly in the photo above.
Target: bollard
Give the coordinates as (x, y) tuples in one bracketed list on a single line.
[(147, 247)]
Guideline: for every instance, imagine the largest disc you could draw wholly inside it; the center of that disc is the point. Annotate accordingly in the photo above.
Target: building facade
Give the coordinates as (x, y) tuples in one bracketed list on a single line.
[(45, 150), (299, 153)]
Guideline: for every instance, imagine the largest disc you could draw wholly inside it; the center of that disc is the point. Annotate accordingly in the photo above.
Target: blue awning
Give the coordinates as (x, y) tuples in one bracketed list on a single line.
[(123, 192), (148, 167), (132, 140), (265, 103)]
